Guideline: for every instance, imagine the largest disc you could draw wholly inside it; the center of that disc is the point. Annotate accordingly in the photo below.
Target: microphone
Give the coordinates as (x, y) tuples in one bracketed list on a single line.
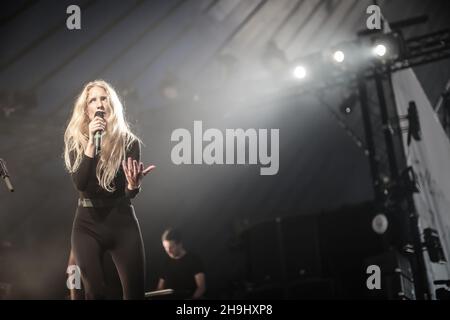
[(4, 174), (98, 134)]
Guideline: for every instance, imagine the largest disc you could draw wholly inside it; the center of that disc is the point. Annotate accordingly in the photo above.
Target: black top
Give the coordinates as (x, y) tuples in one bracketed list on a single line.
[(178, 274), (86, 182)]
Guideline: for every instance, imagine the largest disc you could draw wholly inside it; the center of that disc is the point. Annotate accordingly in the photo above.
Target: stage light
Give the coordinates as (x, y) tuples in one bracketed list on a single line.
[(339, 56), (380, 223), (299, 72), (385, 48), (388, 47), (348, 104), (380, 50)]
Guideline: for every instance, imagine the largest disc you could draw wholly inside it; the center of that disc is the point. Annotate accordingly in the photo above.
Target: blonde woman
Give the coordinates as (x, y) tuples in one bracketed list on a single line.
[(105, 220)]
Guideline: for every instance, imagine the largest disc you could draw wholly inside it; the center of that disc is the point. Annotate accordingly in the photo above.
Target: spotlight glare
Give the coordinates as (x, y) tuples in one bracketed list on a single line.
[(339, 56), (380, 223), (300, 72), (380, 50)]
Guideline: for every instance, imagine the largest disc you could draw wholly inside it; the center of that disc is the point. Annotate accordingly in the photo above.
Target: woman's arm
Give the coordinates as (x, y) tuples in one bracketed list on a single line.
[(81, 176)]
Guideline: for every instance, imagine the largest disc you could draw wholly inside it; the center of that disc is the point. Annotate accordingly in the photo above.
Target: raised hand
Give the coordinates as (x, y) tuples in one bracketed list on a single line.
[(134, 172), (97, 124)]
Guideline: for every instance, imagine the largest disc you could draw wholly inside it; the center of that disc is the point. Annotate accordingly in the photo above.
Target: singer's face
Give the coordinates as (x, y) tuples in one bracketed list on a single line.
[(97, 100)]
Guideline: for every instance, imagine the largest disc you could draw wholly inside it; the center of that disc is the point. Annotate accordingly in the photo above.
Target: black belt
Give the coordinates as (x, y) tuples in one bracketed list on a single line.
[(101, 203)]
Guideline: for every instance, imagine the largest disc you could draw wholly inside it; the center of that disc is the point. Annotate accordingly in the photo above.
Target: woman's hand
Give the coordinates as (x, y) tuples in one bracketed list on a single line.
[(134, 172), (97, 124)]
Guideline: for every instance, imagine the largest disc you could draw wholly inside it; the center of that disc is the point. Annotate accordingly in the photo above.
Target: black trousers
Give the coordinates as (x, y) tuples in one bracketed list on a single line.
[(116, 231)]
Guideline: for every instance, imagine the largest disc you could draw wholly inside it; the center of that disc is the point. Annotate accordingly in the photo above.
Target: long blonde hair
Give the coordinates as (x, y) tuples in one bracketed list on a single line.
[(116, 140)]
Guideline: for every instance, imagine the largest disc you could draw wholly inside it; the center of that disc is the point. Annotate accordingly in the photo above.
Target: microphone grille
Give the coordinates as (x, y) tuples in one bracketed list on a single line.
[(100, 114)]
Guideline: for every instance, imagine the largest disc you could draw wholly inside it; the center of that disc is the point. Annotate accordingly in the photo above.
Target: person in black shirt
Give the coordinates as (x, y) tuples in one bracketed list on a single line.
[(182, 271), (105, 220)]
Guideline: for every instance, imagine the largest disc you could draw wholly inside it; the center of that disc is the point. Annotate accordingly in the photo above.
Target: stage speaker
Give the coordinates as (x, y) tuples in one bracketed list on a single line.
[(312, 289), (301, 246), (269, 291), (346, 240), (330, 245), (283, 249), (263, 254)]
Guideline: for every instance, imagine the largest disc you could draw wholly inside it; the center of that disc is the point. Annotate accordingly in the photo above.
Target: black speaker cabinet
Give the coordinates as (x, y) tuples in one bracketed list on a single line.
[(331, 245)]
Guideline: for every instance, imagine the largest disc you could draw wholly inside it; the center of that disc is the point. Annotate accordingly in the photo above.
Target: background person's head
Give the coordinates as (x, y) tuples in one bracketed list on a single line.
[(172, 243)]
